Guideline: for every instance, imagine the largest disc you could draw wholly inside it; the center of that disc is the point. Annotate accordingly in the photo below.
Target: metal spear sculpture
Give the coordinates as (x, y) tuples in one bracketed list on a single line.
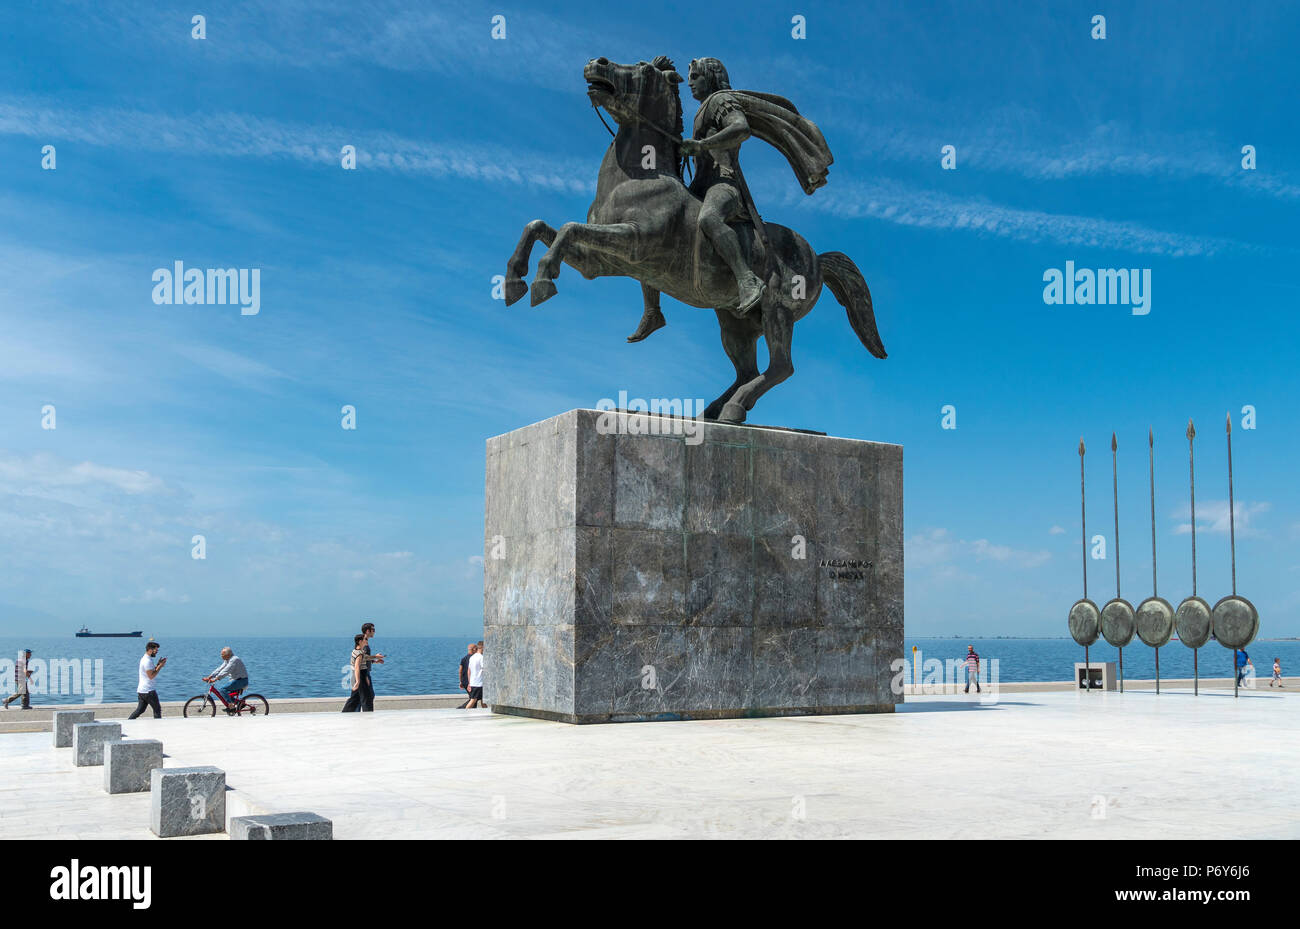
[(1155, 616), (1235, 619), (1117, 618), (1085, 618), (1193, 618)]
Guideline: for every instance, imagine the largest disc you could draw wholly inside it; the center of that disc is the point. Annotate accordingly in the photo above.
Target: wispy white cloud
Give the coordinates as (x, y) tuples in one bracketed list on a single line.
[(399, 35), (38, 474), (896, 203), (231, 365), (542, 51), (984, 550), (230, 134), (1213, 516), (241, 135), (156, 595), (1056, 530), (88, 533), (1019, 143), (938, 548)]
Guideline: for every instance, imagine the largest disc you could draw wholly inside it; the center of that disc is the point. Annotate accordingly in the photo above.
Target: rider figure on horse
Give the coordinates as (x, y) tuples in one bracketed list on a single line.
[(725, 119)]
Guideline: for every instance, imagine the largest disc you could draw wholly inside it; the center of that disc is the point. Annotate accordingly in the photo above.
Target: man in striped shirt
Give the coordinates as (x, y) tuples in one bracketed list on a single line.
[(972, 668)]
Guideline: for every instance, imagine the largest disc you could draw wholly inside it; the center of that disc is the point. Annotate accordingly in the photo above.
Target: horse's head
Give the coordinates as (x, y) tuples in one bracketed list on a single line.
[(644, 92)]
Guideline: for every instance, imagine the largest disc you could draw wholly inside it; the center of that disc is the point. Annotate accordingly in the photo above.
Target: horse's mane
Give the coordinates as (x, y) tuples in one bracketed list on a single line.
[(664, 63)]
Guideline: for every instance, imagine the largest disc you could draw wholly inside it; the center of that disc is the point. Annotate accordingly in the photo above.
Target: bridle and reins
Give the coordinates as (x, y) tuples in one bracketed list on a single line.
[(686, 166), (671, 136)]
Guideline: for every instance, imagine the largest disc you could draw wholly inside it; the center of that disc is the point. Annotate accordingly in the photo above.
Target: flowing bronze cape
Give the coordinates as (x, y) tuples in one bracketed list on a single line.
[(775, 120)]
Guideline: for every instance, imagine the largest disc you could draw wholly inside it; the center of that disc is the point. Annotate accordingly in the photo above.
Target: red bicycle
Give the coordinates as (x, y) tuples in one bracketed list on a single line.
[(206, 704)]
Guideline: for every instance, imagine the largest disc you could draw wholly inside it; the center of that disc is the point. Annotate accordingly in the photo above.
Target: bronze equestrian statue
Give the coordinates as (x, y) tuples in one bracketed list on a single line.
[(705, 244)]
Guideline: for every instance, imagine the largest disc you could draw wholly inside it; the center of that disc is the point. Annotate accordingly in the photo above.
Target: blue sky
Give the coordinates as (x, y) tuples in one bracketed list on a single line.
[(376, 292)]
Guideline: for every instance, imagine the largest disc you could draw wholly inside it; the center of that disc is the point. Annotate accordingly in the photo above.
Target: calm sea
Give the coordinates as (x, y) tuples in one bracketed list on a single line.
[(314, 667)]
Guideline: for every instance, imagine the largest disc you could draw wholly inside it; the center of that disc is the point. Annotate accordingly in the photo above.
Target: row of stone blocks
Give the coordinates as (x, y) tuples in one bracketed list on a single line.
[(192, 801), (185, 801)]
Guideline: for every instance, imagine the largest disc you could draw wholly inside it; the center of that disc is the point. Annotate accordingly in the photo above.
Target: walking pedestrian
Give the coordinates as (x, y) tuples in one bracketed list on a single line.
[(464, 672), (1244, 662), (476, 678), (1277, 674), (22, 680), (972, 669), (358, 659), (146, 690), (367, 686)]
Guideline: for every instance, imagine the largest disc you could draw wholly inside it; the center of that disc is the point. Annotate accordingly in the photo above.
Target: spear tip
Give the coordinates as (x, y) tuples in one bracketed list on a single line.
[(1080, 446), (1230, 424), (1191, 430), (1114, 446), (1151, 437)]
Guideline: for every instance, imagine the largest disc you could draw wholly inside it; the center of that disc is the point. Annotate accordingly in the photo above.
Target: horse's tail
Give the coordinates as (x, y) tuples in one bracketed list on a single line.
[(850, 289)]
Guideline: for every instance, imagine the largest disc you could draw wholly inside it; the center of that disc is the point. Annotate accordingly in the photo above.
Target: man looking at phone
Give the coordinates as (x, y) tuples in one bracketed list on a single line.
[(147, 691)]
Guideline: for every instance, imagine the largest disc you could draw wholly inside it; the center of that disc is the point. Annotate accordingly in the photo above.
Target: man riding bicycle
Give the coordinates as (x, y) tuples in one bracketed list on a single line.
[(233, 667)]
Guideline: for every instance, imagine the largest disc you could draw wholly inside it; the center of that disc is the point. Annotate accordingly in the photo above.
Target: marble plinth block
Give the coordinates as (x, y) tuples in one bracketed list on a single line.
[(127, 763), (641, 567), (187, 801), (64, 720), (281, 826), (88, 741)]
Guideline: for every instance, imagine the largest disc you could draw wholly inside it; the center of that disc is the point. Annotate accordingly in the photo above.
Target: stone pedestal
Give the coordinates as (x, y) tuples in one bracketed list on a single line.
[(88, 741), (281, 827), (187, 801), (1100, 675), (127, 763), (641, 567), (64, 720)]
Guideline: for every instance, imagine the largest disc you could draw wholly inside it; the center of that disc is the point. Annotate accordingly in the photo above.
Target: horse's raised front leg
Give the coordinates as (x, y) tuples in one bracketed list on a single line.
[(740, 341), (778, 328), (517, 266), (573, 244)]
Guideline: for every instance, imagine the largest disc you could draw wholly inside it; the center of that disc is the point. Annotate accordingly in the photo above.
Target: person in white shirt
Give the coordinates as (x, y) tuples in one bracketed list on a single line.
[(22, 675), (147, 691), (476, 679)]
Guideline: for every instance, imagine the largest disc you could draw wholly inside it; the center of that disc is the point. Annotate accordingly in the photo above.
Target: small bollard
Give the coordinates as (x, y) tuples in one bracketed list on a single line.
[(64, 720), (281, 826), (88, 741), (127, 763), (187, 801)]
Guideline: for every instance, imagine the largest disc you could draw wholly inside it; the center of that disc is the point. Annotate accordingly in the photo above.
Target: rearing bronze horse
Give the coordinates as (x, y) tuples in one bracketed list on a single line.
[(643, 224)]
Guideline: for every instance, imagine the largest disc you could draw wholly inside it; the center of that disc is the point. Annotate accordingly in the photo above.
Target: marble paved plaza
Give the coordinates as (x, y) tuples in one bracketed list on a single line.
[(1050, 765)]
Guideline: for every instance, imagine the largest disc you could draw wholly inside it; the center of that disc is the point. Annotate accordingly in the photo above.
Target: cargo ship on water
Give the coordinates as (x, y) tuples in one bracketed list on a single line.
[(84, 633)]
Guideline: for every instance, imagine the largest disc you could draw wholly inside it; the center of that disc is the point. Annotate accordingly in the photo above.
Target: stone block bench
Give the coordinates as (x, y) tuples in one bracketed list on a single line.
[(187, 801), (281, 826), (88, 741), (64, 720), (127, 763)]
